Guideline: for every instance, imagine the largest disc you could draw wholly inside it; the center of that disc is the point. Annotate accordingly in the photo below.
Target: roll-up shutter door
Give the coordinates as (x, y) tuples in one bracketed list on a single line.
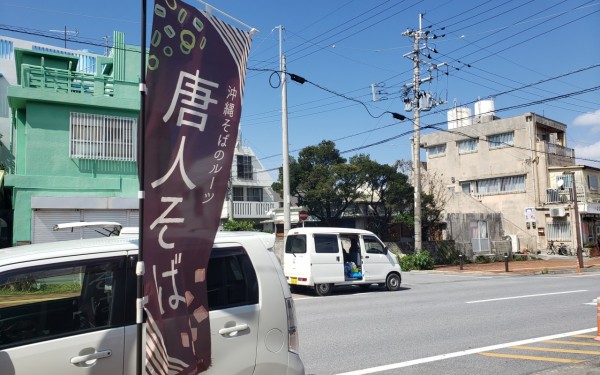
[(43, 222)]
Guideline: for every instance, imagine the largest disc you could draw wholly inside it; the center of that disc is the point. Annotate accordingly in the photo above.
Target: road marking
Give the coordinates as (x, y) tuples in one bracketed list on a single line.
[(462, 353), (532, 358), (571, 342), (586, 336), (554, 350), (527, 296)]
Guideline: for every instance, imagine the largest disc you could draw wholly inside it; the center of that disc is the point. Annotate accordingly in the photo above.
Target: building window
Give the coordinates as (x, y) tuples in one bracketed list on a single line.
[(558, 231), (244, 167), (467, 146), (592, 181), (501, 185), (255, 194), (100, 137), (501, 140), (238, 194), (437, 150), (567, 180)]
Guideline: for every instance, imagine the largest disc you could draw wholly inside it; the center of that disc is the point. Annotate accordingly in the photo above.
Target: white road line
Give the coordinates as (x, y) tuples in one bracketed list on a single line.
[(435, 358), (527, 296)]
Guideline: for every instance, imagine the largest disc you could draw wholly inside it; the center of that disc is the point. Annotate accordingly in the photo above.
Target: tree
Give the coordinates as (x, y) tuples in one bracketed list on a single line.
[(387, 194), (322, 182), (434, 197)]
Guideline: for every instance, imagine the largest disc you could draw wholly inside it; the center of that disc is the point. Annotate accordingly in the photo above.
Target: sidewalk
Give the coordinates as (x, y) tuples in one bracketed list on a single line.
[(549, 264)]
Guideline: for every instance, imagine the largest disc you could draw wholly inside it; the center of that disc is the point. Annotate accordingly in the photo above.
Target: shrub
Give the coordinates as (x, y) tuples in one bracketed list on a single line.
[(238, 225), (418, 261), (448, 254), (482, 259)]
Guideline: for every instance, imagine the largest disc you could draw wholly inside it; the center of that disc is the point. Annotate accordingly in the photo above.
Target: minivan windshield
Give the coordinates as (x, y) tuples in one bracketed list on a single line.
[(295, 244)]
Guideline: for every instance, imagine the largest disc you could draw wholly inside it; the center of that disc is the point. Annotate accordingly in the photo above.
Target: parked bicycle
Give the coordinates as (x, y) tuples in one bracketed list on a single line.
[(561, 249)]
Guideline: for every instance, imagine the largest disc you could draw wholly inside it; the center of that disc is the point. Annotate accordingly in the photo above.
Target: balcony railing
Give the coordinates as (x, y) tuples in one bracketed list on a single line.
[(559, 155), (250, 210), (66, 81), (559, 195)]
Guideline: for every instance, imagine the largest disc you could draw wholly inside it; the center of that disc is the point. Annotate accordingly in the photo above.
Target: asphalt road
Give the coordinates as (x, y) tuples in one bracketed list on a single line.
[(452, 324)]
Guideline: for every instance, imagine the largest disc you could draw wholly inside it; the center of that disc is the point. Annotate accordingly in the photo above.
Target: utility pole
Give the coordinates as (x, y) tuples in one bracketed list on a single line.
[(422, 101), (285, 143)]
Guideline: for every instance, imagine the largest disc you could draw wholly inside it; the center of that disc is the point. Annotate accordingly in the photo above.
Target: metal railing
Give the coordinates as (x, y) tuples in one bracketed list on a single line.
[(65, 81)]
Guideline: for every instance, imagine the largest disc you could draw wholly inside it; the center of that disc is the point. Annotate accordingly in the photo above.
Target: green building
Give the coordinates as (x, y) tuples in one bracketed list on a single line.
[(72, 141)]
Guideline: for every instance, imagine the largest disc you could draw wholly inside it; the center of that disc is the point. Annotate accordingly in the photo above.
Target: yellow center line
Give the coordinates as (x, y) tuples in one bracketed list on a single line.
[(574, 351), (572, 343), (532, 358), (585, 336)]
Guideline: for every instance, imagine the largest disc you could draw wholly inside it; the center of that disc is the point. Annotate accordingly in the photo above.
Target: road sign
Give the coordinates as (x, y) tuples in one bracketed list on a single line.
[(303, 215)]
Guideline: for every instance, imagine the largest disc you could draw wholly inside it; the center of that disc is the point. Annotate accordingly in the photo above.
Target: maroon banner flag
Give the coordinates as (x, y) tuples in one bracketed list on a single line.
[(195, 80)]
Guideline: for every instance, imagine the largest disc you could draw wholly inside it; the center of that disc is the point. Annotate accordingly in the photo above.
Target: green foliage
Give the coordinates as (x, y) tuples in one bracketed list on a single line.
[(448, 254), (239, 225), (418, 261), (482, 259)]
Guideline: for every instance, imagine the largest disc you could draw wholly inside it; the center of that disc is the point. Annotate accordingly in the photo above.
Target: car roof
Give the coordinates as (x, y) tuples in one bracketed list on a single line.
[(129, 242), (307, 230)]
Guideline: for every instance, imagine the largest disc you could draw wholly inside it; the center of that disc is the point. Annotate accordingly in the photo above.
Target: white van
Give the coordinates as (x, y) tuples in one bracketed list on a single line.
[(68, 307), (323, 257)]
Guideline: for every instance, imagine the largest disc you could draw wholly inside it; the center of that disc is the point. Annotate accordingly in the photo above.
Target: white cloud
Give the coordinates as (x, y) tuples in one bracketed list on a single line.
[(588, 119), (588, 152)]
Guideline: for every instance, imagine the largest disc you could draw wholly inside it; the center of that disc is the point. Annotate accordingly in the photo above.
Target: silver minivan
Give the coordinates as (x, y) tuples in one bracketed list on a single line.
[(69, 308)]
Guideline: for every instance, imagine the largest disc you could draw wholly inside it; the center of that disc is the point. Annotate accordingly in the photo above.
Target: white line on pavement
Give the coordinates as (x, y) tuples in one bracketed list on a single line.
[(527, 296), (440, 357)]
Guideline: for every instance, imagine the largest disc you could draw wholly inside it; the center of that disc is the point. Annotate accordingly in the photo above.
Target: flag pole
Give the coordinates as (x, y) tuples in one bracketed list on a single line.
[(209, 8), (139, 268)]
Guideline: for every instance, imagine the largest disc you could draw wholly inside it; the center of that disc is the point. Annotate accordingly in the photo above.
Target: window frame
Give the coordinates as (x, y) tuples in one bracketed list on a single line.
[(501, 143), (117, 299), (244, 167), (436, 151), (102, 137), (471, 150)]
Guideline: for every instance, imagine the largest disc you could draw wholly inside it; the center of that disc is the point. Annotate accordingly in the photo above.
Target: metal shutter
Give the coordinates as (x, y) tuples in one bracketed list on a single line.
[(43, 222)]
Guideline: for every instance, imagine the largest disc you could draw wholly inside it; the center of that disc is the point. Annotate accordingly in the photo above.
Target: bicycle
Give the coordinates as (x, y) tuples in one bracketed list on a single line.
[(564, 250)]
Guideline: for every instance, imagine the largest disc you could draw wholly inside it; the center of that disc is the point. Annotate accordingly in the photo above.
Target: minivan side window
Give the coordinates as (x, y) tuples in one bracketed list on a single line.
[(295, 244), (326, 243), (373, 245), (231, 279), (52, 301)]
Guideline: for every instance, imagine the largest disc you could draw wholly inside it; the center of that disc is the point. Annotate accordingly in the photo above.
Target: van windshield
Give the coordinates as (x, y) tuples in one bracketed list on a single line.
[(295, 244)]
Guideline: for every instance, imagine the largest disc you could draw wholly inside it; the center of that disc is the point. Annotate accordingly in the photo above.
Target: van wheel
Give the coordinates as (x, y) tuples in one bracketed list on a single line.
[(392, 283), (323, 289)]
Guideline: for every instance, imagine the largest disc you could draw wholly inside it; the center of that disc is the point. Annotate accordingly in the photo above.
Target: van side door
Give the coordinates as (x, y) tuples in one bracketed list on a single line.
[(327, 259), (376, 265)]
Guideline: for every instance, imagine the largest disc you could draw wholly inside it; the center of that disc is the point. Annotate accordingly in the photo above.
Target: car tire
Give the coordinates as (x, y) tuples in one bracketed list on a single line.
[(323, 289), (392, 282)]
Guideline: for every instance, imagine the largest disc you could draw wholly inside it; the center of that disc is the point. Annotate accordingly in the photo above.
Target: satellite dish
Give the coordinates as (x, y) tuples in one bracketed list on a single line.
[(560, 183)]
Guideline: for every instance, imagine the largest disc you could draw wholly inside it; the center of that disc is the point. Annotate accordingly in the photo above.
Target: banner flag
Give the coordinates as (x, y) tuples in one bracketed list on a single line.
[(195, 80)]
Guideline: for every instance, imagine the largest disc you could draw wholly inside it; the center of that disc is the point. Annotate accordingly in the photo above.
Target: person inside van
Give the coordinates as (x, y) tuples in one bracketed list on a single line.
[(354, 252)]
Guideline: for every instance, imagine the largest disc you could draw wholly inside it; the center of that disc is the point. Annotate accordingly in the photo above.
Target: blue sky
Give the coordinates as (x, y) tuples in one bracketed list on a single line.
[(491, 47)]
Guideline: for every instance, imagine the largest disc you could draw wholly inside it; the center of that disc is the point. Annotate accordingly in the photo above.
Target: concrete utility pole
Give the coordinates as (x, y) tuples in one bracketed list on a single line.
[(418, 99), (284, 126)]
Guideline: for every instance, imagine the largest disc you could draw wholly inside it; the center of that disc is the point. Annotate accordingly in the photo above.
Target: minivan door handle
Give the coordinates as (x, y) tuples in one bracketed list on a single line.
[(337, 259), (82, 360), (232, 331)]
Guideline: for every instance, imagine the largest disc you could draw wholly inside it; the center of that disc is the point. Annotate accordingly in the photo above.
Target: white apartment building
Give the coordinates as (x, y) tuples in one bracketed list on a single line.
[(503, 177)]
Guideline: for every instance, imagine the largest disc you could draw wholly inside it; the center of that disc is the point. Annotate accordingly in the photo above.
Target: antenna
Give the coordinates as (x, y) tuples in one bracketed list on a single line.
[(66, 32)]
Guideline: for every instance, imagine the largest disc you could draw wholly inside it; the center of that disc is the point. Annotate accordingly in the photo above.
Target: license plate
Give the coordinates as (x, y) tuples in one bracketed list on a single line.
[(294, 280)]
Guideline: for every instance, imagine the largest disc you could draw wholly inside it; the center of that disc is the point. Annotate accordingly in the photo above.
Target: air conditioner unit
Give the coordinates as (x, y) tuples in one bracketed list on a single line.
[(557, 212)]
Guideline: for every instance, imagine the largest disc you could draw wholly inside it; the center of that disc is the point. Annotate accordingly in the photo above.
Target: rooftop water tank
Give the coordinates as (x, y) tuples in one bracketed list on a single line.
[(459, 117), (484, 110)]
